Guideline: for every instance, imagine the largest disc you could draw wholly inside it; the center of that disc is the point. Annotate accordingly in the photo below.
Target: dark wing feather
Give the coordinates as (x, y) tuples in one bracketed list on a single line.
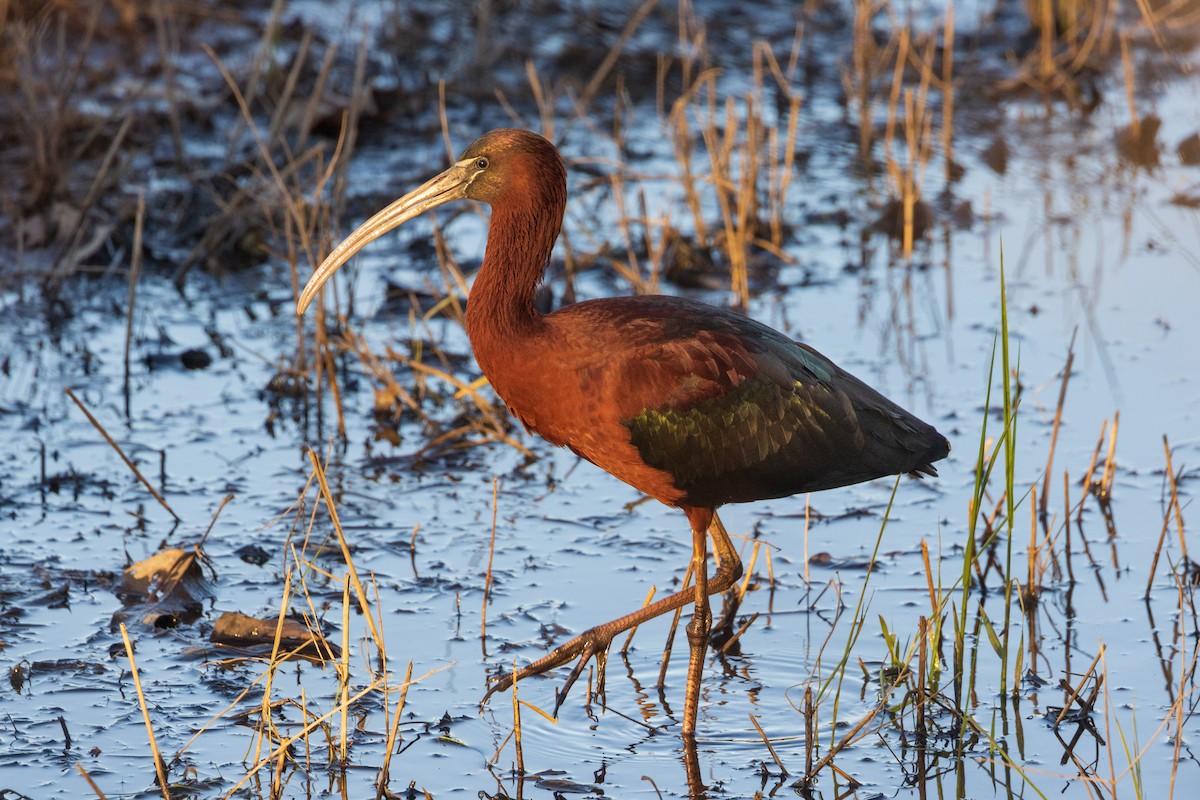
[(735, 411)]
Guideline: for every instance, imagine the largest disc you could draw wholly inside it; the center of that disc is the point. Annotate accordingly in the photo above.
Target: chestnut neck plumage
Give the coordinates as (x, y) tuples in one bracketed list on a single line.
[(501, 314)]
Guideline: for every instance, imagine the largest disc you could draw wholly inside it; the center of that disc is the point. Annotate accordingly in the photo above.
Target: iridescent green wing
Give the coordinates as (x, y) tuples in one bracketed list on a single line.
[(747, 417)]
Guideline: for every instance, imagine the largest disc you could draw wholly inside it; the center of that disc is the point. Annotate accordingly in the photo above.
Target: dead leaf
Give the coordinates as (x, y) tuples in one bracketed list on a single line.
[(235, 629)]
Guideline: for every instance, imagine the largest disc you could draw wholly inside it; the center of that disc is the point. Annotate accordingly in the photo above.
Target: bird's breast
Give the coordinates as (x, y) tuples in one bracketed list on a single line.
[(572, 397)]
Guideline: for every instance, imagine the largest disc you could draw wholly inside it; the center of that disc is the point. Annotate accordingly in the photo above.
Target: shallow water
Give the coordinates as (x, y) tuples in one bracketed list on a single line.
[(1092, 248)]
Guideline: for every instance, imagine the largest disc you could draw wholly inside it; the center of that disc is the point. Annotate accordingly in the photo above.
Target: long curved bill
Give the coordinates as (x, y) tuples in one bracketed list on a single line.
[(450, 185)]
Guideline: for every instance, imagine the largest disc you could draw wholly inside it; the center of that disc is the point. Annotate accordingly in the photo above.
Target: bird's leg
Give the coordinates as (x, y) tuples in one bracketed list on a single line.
[(697, 631), (722, 629), (594, 642), (691, 765)]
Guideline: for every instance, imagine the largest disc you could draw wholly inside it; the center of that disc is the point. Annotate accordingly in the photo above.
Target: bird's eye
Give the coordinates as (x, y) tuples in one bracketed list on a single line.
[(481, 163)]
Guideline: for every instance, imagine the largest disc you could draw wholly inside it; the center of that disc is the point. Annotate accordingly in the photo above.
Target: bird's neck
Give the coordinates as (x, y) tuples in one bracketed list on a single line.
[(501, 311)]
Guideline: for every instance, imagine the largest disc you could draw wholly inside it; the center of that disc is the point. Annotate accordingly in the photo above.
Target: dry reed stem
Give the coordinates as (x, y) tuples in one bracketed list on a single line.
[(344, 675), (918, 131), (1091, 470), (610, 58), (135, 269), (412, 549), (511, 111), (168, 48), (483, 405), (1162, 537), (414, 363), (520, 752), (725, 648), (87, 777), (449, 269), (736, 193), (1051, 67), (745, 585), (543, 98), (1183, 679), (897, 87), (159, 766), (681, 140), (947, 88), (1175, 498), (771, 585), (1135, 123), (353, 111), (382, 782), (64, 258), (1067, 526), (284, 101), (1172, 713), (807, 521), (341, 538), (232, 705), (779, 175), (809, 711), (137, 473), (857, 81), (544, 715), (767, 742), (297, 208), (265, 719), (1166, 524), (1058, 411), (1074, 691), (311, 221), (1175, 14), (922, 671), (266, 45), (1032, 553), (857, 623), (666, 655), (1101, 24), (487, 581), (315, 239), (226, 500), (1045, 49), (934, 605), (1108, 716), (317, 722), (633, 630), (632, 271), (45, 125), (305, 714), (1110, 462), (845, 741), (381, 645)]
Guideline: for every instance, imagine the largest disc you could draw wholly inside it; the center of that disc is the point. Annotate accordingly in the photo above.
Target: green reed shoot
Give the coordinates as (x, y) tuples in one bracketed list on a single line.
[(983, 470)]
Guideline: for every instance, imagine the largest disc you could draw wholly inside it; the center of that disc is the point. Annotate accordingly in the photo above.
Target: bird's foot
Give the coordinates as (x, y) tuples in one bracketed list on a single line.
[(592, 643), (595, 642)]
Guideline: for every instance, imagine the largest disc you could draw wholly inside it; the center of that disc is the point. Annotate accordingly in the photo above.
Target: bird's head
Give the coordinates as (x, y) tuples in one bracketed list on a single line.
[(505, 168)]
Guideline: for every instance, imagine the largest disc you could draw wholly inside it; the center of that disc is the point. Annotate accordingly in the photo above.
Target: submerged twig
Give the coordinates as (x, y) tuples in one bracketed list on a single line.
[(129, 463)]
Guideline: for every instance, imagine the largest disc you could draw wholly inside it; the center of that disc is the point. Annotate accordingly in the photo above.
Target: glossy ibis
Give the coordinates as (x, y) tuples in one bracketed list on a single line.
[(694, 405)]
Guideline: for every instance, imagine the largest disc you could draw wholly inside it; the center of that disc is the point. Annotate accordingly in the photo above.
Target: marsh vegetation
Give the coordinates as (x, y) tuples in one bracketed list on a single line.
[(250, 555)]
